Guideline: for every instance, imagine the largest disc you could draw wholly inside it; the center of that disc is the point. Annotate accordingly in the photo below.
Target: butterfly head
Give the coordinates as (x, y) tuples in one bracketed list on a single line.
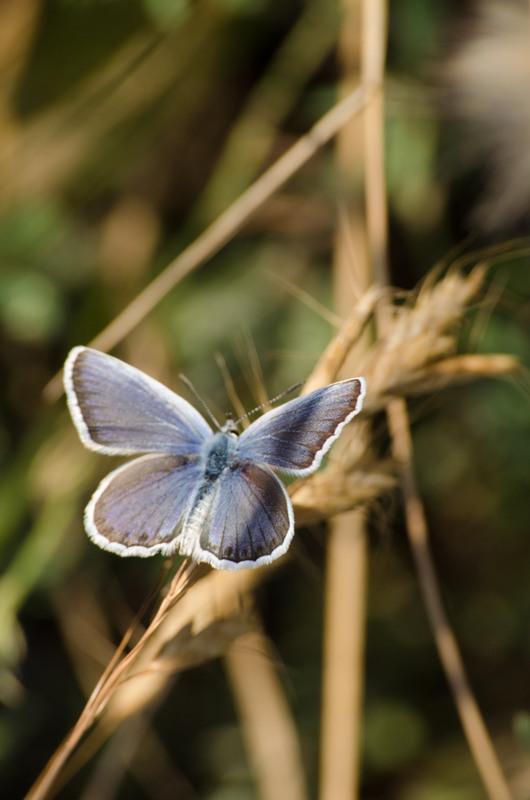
[(230, 427)]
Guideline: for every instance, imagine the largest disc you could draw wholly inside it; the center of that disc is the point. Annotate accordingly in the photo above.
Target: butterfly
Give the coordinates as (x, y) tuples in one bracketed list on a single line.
[(211, 495)]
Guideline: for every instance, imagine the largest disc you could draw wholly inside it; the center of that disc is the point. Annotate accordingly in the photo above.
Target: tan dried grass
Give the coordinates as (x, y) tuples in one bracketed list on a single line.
[(203, 614)]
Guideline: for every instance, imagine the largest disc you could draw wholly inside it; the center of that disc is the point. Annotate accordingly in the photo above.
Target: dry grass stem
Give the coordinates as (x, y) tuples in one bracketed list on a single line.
[(225, 227), (309, 41), (267, 721), (346, 566), (474, 727), (346, 561), (18, 22), (332, 359), (307, 299), (145, 668), (229, 384), (417, 349), (347, 553), (423, 336)]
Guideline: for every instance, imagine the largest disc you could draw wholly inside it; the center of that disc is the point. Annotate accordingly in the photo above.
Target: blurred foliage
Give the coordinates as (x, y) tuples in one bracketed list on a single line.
[(126, 126)]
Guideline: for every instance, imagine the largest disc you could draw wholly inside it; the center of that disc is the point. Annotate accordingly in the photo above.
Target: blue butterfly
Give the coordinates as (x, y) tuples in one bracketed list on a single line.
[(212, 495)]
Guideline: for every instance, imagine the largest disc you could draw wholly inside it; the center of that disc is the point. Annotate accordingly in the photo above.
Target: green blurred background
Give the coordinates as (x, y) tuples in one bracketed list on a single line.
[(126, 126)]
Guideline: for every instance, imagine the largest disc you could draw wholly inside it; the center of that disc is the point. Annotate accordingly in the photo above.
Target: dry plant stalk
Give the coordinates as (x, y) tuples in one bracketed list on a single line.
[(225, 227), (470, 716), (355, 268), (186, 630), (266, 718), (201, 617)]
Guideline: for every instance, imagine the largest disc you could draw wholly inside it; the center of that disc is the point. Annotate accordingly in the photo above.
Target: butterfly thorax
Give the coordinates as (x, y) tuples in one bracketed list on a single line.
[(219, 454)]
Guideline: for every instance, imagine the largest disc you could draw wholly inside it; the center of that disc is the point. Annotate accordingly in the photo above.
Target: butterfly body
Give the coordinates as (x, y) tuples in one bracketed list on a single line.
[(211, 495), (220, 453)]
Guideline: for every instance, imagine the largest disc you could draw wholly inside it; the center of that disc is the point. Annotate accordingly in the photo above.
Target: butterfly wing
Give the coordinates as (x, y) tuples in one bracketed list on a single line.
[(294, 437), (119, 410), (242, 519), (137, 509)]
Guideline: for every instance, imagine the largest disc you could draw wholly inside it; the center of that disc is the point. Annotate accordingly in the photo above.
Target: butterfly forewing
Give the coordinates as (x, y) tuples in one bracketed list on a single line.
[(119, 410), (243, 519), (294, 437), (137, 509)]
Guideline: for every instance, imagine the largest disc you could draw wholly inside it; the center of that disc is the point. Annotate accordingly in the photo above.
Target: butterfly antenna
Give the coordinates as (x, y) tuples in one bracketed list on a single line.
[(189, 385), (292, 388)]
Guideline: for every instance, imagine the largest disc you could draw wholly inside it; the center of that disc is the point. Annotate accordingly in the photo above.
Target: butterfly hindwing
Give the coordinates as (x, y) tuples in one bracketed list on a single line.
[(119, 410), (137, 509), (293, 437), (243, 519)]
